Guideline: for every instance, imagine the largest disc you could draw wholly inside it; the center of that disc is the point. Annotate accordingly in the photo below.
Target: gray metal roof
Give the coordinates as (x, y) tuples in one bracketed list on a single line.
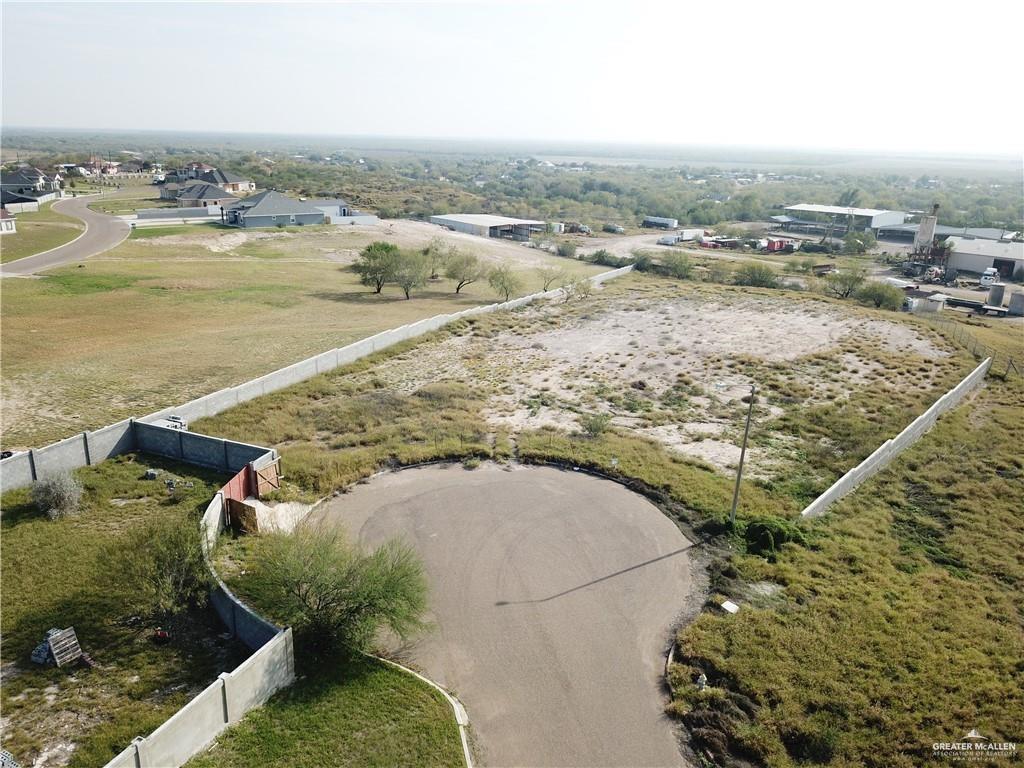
[(273, 203), (942, 230), (6, 196), (203, 190), (217, 176)]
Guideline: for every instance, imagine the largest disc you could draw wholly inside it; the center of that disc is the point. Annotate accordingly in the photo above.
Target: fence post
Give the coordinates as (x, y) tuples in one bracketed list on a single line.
[(225, 699), (140, 754)]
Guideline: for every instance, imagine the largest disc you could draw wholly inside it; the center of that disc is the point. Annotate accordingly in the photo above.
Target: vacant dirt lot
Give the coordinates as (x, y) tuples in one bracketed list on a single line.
[(673, 368), (552, 594)]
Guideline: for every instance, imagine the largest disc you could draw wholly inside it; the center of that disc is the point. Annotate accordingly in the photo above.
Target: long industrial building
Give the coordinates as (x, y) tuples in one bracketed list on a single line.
[(811, 217), (487, 225)]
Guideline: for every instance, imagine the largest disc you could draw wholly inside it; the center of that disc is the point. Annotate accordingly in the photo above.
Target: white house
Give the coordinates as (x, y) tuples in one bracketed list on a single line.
[(7, 223)]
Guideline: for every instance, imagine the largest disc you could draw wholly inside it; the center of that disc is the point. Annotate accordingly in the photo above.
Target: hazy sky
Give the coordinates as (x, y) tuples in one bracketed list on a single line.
[(862, 75)]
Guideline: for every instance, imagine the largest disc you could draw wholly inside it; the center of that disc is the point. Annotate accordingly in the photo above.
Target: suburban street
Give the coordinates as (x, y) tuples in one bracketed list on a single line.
[(102, 232), (553, 595)]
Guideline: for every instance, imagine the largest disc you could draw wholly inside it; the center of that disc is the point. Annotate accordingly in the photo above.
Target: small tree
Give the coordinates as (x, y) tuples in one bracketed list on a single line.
[(57, 496), (411, 271), (845, 283), (567, 250), (858, 242), (881, 295), (577, 288), (504, 281), (677, 265), (550, 275), (335, 594), (464, 268), (161, 567), (438, 253), (376, 264), (758, 275)]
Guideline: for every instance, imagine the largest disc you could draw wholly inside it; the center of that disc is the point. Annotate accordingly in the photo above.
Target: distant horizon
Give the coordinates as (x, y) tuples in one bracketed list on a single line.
[(506, 141)]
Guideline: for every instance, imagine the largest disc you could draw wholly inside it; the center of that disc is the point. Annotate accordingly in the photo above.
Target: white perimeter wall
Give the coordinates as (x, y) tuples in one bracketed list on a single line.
[(890, 449)]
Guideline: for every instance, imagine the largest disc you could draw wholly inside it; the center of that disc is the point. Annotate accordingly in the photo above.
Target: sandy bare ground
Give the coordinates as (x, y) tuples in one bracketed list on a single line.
[(342, 244), (553, 595), (624, 358)]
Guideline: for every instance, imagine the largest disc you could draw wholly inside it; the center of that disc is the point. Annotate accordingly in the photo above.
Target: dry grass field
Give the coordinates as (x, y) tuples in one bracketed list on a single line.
[(166, 318)]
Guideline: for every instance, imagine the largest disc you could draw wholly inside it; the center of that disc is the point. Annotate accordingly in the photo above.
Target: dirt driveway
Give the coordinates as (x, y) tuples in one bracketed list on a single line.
[(552, 593)]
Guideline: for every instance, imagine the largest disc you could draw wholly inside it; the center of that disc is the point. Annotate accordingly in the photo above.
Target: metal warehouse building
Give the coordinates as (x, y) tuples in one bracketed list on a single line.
[(863, 218), (978, 255), (486, 225)]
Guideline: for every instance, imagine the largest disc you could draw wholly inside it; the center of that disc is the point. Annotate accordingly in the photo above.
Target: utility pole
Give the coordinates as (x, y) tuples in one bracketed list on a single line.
[(743, 453)]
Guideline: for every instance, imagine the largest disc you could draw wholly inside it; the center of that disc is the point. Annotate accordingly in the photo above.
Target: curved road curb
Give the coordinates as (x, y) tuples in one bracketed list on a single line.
[(460, 711), (112, 232)]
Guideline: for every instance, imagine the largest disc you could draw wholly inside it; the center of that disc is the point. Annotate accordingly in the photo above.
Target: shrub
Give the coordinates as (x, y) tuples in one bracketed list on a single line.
[(567, 250), (758, 275), (845, 283), (162, 568), (595, 424), (642, 261), (881, 295), (335, 594), (577, 288), (677, 265), (764, 535), (57, 496)]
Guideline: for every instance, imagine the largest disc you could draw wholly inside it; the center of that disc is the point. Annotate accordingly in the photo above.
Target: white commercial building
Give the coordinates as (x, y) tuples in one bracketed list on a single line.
[(863, 218), (978, 255), (487, 225)]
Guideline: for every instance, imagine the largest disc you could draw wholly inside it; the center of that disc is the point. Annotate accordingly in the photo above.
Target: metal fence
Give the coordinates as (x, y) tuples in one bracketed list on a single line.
[(1003, 365)]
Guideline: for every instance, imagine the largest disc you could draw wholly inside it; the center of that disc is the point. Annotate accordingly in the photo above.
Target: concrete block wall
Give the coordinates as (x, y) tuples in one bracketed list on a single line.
[(220, 401), (194, 727), (890, 449)]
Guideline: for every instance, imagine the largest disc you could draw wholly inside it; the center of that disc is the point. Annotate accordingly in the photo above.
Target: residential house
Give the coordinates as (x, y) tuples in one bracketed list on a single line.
[(228, 181), (333, 209), (7, 224), (271, 209), (17, 203), (31, 183), (202, 195)]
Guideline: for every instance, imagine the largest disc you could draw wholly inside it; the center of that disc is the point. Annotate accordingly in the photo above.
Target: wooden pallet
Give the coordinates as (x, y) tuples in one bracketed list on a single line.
[(64, 647)]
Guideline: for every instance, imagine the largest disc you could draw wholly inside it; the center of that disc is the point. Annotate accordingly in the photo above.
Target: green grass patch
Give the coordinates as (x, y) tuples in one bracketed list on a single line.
[(898, 626), (37, 232), (359, 712), (58, 574), (148, 233)]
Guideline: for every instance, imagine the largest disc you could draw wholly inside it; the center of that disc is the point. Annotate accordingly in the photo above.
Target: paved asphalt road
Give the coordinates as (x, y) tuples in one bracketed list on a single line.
[(102, 233), (552, 594)]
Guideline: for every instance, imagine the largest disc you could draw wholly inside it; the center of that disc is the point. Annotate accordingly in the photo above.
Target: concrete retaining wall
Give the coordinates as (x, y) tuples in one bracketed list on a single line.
[(220, 401), (890, 449), (194, 727)]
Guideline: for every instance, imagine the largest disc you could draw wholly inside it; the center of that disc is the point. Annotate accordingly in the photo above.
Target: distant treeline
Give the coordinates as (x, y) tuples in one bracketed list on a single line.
[(406, 184)]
